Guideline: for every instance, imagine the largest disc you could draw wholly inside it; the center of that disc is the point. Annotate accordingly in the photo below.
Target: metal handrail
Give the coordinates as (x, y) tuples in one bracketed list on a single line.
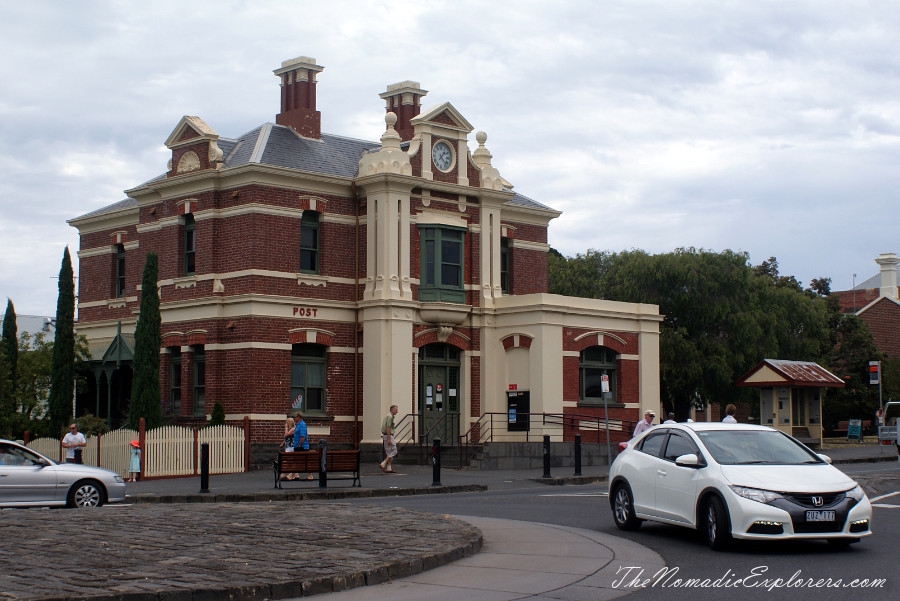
[(487, 427)]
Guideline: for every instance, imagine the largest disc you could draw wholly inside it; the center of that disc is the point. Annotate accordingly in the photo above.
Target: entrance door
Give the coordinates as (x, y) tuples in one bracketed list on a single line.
[(439, 393)]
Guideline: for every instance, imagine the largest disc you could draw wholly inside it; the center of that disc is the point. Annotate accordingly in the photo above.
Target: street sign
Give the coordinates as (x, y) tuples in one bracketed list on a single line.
[(604, 383), (874, 372)]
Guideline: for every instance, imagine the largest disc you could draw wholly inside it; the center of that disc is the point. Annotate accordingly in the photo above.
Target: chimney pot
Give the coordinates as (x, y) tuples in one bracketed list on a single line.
[(888, 263), (404, 100), (298, 96)]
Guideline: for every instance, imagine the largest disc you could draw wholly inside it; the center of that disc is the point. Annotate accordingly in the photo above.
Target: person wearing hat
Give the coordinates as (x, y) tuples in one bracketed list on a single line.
[(135, 466), (646, 423)]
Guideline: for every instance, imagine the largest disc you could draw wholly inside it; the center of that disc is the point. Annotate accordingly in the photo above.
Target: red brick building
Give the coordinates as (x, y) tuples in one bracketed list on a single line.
[(876, 302), (340, 276)]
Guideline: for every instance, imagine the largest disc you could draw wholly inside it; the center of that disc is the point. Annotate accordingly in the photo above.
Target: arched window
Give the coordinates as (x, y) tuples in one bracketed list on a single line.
[(308, 378), (594, 363)]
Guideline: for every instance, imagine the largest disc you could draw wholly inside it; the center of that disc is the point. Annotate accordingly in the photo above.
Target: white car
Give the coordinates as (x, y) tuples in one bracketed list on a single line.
[(27, 479), (735, 481)]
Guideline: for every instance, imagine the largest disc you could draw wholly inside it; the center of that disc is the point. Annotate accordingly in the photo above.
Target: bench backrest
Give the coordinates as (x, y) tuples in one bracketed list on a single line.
[(308, 461)]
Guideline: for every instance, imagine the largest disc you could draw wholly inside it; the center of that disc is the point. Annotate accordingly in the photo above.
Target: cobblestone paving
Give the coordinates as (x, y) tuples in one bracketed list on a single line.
[(219, 550)]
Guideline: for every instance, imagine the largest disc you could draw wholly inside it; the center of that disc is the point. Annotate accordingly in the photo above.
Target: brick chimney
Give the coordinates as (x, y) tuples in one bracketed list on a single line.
[(403, 99), (298, 96), (888, 263)]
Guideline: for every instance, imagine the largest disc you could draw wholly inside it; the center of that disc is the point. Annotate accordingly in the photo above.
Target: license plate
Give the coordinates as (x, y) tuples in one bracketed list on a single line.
[(819, 516)]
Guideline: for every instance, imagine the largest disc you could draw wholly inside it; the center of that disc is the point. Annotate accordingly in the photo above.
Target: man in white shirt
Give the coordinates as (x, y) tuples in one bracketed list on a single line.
[(671, 419), (73, 441), (644, 424)]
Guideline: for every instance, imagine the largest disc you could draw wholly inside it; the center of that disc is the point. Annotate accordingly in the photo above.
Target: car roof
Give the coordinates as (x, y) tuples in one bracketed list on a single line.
[(707, 426)]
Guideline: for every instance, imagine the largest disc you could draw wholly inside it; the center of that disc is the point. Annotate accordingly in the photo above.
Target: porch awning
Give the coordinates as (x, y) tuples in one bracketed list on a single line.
[(799, 374)]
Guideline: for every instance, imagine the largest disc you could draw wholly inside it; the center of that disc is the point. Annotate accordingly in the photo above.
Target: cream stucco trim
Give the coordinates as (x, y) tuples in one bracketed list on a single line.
[(272, 346), (430, 217), (286, 275), (526, 245)]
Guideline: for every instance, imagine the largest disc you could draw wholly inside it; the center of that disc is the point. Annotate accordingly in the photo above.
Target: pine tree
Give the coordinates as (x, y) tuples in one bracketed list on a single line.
[(9, 356), (145, 399), (11, 341), (62, 382)]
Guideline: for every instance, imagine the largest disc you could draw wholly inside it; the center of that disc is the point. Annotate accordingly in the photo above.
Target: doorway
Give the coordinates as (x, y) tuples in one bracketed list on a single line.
[(439, 393)]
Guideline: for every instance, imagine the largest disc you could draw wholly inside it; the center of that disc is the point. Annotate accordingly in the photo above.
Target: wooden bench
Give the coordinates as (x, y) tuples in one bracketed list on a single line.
[(844, 426), (343, 463)]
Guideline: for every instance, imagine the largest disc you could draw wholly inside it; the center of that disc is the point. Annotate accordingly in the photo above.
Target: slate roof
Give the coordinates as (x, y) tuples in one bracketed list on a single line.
[(280, 146)]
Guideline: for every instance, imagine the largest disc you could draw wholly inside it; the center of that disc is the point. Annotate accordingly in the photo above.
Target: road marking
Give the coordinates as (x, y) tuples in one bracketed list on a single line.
[(890, 494), (579, 494)]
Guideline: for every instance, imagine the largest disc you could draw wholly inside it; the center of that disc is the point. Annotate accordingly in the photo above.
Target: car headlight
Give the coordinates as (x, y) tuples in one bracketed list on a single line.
[(856, 493), (755, 494)]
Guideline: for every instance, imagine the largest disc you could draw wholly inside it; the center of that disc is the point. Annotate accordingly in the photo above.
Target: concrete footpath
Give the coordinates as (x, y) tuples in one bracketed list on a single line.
[(246, 540)]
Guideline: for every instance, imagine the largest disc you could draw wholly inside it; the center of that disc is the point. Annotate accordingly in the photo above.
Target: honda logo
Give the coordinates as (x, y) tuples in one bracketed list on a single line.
[(817, 501)]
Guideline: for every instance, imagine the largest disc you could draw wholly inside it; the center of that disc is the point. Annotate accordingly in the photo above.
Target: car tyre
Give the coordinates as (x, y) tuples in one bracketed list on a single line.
[(623, 508), (86, 493), (716, 524)]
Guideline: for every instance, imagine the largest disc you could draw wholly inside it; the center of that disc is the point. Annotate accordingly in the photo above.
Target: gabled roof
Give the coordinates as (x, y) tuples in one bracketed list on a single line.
[(779, 372), (452, 117)]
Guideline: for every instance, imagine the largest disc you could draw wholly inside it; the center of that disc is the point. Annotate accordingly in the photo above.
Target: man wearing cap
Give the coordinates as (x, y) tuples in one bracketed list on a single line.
[(646, 423)]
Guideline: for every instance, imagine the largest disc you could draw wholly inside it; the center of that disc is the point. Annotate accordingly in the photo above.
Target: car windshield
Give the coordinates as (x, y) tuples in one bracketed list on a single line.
[(755, 447)]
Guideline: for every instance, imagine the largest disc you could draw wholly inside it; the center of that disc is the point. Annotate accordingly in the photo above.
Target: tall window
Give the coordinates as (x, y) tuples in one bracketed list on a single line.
[(309, 242), (190, 244), (120, 270), (199, 381), (175, 380), (594, 363), (308, 378), (504, 265), (441, 261)]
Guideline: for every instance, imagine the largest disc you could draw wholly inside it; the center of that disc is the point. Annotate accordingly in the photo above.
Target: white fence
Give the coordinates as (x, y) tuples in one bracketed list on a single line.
[(167, 451)]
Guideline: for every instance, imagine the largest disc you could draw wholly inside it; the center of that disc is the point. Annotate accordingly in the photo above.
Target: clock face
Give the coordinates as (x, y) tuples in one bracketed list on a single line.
[(442, 156)]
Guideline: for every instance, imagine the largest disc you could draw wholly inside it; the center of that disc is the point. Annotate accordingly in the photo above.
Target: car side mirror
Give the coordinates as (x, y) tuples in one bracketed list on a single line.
[(689, 460), (824, 458)]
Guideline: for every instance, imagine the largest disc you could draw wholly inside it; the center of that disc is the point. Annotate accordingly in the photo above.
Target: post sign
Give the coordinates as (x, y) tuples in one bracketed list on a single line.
[(854, 430), (604, 383)]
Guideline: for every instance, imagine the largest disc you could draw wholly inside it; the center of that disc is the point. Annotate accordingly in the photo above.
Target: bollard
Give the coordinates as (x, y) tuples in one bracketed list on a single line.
[(546, 455), (578, 454), (436, 463), (323, 472), (204, 467)]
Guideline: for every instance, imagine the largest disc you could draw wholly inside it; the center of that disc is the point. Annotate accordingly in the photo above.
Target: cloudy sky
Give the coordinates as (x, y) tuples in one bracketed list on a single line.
[(766, 127)]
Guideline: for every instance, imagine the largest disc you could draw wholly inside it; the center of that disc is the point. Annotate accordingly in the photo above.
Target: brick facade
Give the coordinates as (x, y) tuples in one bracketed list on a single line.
[(248, 303)]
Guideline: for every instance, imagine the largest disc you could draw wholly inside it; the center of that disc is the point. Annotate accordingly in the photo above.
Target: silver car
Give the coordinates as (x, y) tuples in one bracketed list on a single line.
[(27, 478)]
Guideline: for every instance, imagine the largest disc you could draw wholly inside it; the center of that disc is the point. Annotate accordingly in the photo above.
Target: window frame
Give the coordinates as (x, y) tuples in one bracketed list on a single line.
[(198, 396), (309, 356), (120, 271), (505, 265), (433, 264), (606, 365), (175, 380), (310, 225), (189, 240)]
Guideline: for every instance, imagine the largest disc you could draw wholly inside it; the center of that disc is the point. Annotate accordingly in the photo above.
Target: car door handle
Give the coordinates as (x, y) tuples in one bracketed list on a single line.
[(661, 473)]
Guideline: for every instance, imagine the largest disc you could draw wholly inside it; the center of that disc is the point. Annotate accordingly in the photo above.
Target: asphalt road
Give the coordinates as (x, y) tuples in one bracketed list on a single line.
[(874, 558)]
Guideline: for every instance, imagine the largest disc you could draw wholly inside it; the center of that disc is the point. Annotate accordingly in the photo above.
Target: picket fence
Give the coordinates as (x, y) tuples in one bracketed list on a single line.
[(168, 451)]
